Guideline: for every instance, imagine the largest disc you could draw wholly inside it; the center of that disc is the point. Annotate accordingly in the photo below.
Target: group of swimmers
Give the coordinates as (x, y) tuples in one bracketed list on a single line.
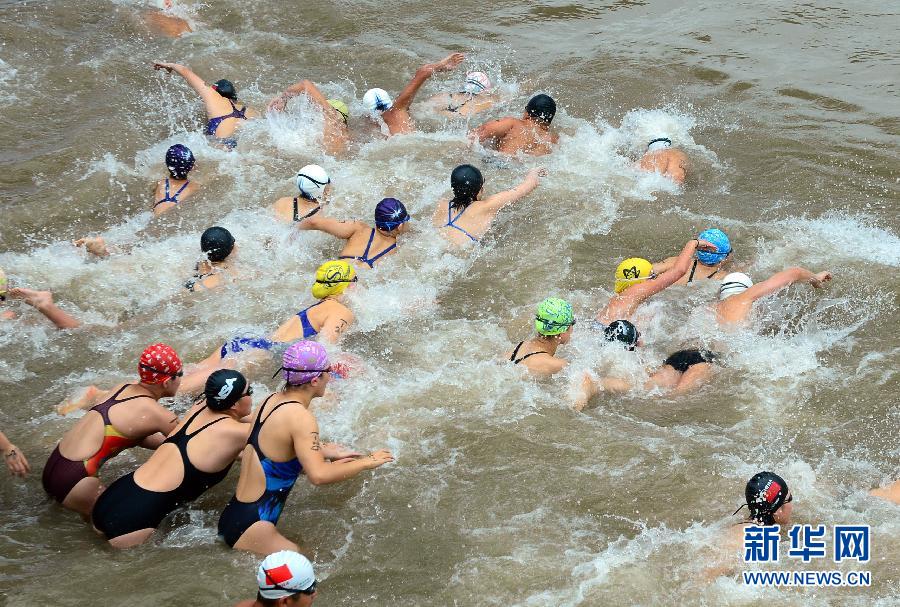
[(195, 453)]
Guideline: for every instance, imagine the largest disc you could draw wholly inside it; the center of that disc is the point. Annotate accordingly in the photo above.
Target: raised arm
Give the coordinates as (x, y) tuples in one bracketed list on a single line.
[(318, 470), (406, 96), (205, 91), (339, 229), (303, 87), (499, 200), (784, 279), (643, 290), (493, 131)]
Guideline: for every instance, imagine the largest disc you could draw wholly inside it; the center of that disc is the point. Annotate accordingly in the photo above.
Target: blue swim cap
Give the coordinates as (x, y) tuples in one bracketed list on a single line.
[(179, 161), (723, 247), (390, 213)]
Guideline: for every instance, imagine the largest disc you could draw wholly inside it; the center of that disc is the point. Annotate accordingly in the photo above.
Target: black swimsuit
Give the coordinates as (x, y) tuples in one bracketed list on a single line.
[(694, 269), (126, 507), (516, 361), (297, 217), (683, 360)]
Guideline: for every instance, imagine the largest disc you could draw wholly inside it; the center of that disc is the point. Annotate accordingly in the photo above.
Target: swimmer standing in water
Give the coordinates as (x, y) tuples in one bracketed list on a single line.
[(42, 301), (335, 113), (553, 322), (662, 158), (530, 134), (315, 189), (477, 96), (366, 244), (467, 216), (395, 113)]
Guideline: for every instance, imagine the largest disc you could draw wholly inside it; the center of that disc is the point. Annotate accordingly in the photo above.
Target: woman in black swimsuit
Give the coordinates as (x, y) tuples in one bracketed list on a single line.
[(554, 321), (217, 244)]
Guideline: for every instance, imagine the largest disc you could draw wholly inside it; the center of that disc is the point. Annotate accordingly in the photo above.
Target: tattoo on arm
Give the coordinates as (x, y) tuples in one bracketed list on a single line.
[(316, 446)]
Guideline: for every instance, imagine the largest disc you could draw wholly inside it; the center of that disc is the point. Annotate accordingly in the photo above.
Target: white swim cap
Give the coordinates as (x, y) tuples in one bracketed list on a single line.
[(734, 284), (285, 573), (311, 180), (476, 82), (659, 143), (377, 100)]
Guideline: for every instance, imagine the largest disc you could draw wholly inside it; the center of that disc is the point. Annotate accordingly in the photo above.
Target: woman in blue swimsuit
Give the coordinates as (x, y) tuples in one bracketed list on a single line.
[(176, 187), (366, 244), (467, 217)]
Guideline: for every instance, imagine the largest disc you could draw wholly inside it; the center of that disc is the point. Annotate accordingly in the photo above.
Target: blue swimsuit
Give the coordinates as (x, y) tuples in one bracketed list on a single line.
[(213, 125), (244, 344), (451, 219), (173, 197), (238, 516), (308, 329), (365, 256)]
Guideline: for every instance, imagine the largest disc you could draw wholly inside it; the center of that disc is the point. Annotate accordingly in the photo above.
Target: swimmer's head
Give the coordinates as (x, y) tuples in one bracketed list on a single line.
[(224, 388), (766, 493), (623, 331), (160, 364), (377, 100), (179, 161), (632, 271), (303, 362), (466, 182), (217, 243), (225, 88), (477, 82), (734, 284), (541, 108), (311, 181), (285, 574), (333, 278), (3, 285), (659, 143), (723, 247), (554, 317), (390, 214), (341, 108)]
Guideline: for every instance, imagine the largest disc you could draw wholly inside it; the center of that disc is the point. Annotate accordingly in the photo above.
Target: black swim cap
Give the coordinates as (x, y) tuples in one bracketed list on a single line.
[(541, 107), (466, 182), (217, 243), (226, 89), (224, 388), (623, 331), (179, 161), (766, 492)]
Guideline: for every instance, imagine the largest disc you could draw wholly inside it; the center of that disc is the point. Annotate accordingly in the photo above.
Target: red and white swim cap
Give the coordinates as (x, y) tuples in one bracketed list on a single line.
[(158, 363)]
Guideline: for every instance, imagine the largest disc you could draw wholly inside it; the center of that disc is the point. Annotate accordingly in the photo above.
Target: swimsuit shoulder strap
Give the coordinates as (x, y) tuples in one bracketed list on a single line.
[(531, 354), (180, 190), (369, 244), (182, 432), (515, 351), (714, 273), (693, 269), (277, 407), (296, 209)]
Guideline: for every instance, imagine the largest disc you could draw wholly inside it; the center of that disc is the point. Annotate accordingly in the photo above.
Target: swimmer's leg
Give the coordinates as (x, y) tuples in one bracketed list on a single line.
[(692, 378), (83, 496), (194, 380), (891, 492), (83, 399), (263, 538), (666, 378), (129, 540)]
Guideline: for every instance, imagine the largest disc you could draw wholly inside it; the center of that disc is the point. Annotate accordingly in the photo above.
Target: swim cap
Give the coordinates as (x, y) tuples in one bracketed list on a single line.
[(541, 107), (723, 247), (554, 316), (224, 388), (476, 82), (660, 143), (333, 278), (341, 108), (766, 492), (284, 574), (217, 243), (377, 100), (311, 181), (303, 361), (466, 182), (631, 271), (179, 161), (158, 363), (734, 284), (225, 88), (2, 285), (623, 331), (390, 213)]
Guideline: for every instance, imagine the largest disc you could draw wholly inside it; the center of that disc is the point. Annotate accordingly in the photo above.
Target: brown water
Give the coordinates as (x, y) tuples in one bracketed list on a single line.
[(500, 495)]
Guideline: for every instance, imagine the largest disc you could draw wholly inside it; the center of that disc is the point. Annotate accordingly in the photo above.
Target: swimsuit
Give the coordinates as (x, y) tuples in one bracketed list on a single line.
[(516, 361), (365, 256), (297, 217), (197, 279), (683, 360), (694, 268), (450, 222), (308, 329), (126, 507), (454, 109), (61, 474), (244, 344), (213, 125), (238, 516), (173, 197)]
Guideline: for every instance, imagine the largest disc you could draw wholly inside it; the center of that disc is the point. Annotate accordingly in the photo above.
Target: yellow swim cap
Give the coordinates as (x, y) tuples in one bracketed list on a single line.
[(2, 284), (341, 107), (333, 278), (631, 271)]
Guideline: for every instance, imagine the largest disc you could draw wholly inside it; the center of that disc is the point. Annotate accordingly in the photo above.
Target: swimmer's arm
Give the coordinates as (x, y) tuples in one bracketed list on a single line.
[(303, 87), (783, 279), (492, 132), (95, 245), (335, 325), (647, 288), (664, 265), (501, 199), (308, 449), (339, 229), (153, 441), (165, 420), (15, 460), (194, 81), (406, 96)]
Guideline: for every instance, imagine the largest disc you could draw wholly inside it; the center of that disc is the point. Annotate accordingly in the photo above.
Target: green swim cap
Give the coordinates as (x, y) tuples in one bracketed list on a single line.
[(554, 316)]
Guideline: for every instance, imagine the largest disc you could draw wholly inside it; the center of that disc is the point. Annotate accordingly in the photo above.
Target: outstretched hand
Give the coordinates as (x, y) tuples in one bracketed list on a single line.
[(819, 280), (16, 462), (278, 104), (448, 63), (159, 65), (705, 245), (379, 458)]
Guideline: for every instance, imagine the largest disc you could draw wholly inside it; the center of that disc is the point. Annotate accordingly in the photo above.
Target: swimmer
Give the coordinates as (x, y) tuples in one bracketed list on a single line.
[(195, 457), (284, 441), (15, 460), (284, 579), (366, 244), (163, 22), (217, 244), (636, 281), (315, 188), (467, 216), (476, 96), (706, 264), (220, 100), (554, 321), (175, 188), (890, 492), (131, 416), (336, 114), (42, 301), (530, 134), (737, 293), (396, 113), (662, 158)]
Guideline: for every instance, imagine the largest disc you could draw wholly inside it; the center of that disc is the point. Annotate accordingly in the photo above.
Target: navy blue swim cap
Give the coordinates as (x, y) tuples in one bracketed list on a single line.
[(623, 331), (466, 182), (723, 247), (541, 107), (217, 243), (179, 161), (390, 213), (225, 88)]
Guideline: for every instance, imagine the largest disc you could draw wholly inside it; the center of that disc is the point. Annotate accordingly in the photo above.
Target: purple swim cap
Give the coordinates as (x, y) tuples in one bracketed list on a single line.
[(390, 213), (304, 361)]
